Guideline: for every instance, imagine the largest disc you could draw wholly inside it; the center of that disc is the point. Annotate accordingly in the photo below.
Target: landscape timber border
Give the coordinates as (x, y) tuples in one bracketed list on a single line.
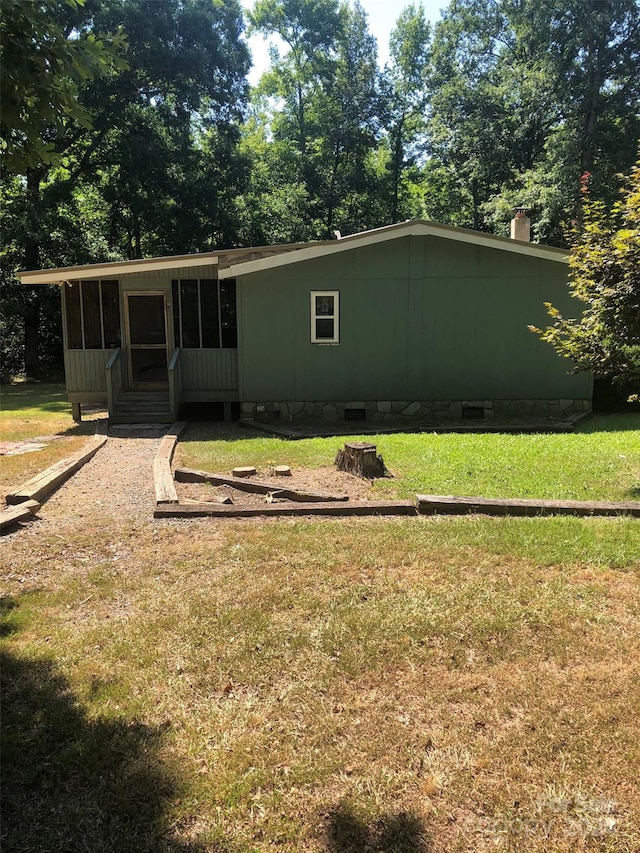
[(169, 506), (24, 502), (162, 475)]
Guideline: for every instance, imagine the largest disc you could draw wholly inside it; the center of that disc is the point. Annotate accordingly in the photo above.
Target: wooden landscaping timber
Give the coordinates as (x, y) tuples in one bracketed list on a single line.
[(21, 512), (162, 476), (328, 509), (46, 481), (260, 487), (306, 497), (449, 504)]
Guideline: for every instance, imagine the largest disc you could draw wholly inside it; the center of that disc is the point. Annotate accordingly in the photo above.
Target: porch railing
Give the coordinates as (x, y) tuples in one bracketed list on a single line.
[(114, 379), (175, 383)]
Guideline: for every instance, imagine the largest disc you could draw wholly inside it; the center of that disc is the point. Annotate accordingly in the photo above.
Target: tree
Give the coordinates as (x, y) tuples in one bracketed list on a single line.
[(309, 29), (529, 96), (146, 151), (47, 55), (49, 51), (406, 85), (345, 114), (605, 277)]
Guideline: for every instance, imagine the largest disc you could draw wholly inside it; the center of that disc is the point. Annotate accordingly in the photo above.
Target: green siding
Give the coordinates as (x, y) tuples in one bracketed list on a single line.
[(85, 371), (209, 369), (420, 317)]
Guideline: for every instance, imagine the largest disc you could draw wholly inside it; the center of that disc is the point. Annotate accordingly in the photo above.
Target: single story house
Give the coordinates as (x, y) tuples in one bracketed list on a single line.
[(407, 320)]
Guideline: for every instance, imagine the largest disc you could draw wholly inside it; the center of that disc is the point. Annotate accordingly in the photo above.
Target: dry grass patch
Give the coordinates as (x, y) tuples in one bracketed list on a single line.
[(29, 411), (15, 470), (422, 685)]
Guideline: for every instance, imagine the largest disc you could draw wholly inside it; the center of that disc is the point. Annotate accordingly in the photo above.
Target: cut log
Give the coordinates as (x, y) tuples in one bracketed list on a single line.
[(360, 458), (282, 470), (244, 471), (187, 475)]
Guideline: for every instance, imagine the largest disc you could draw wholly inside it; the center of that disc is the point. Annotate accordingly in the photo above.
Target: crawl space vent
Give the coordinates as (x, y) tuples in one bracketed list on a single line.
[(472, 413), (355, 414)]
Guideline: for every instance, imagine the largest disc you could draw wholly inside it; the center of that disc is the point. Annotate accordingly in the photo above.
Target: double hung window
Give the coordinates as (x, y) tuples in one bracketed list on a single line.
[(325, 316)]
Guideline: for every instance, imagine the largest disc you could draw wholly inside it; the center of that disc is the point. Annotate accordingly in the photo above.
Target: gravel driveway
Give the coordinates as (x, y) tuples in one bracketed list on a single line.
[(116, 482)]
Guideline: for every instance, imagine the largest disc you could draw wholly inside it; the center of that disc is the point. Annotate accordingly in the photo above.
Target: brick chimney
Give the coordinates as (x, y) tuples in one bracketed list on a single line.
[(521, 225)]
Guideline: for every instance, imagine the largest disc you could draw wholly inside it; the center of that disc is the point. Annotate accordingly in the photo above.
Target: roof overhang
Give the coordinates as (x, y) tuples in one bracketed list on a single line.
[(115, 268), (392, 232)]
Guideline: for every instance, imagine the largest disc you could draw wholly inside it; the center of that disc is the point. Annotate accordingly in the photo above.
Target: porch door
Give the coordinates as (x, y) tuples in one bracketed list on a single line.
[(147, 339)]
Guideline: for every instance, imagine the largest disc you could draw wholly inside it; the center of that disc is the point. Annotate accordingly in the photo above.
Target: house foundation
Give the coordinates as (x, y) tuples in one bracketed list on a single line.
[(385, 411)]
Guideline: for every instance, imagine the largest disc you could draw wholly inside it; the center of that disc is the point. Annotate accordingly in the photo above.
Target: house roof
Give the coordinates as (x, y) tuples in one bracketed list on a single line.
[(110, 269), (390, 232), (235, 262)]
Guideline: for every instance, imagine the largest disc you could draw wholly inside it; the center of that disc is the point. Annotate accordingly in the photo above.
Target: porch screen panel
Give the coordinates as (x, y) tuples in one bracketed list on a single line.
[(91, 315), (190, 313), (228, 317), (210, 313), (111, 314), (175, 299), (73, 315)]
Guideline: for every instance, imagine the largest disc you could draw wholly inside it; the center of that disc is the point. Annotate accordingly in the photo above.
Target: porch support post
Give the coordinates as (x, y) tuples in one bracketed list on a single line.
[(76, 412), (227, 411)]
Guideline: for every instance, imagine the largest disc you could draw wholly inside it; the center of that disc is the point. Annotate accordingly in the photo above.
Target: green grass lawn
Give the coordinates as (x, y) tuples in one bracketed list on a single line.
[(600, 461), (28, 410), (423, 685)]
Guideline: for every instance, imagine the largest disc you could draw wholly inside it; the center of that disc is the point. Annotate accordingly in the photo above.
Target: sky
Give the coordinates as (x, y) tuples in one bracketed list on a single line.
[(382, 15)]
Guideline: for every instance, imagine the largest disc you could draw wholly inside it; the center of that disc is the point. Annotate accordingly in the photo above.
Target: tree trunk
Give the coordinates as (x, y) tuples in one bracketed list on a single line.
[(360, 458), (32, 262)]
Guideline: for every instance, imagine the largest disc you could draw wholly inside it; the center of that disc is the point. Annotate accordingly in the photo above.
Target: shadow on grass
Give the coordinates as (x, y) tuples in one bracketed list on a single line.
[(70, 783), (51, 397), (615, 422), (403, 832)]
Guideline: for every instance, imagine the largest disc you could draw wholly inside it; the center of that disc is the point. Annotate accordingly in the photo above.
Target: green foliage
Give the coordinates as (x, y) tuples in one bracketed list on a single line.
[(526, 97), (118, 159), (48, 54), (605, 277), (405, 91)]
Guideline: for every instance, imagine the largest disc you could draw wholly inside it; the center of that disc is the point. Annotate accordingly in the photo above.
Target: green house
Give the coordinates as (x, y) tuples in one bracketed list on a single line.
[(408, 320)]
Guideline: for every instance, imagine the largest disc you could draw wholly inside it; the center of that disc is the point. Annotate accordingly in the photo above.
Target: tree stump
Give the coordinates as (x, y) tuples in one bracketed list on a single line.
[(244, 471), (360, 458)]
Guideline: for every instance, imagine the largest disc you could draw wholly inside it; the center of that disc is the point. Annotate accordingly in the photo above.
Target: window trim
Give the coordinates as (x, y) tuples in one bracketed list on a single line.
[(335, 317)]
